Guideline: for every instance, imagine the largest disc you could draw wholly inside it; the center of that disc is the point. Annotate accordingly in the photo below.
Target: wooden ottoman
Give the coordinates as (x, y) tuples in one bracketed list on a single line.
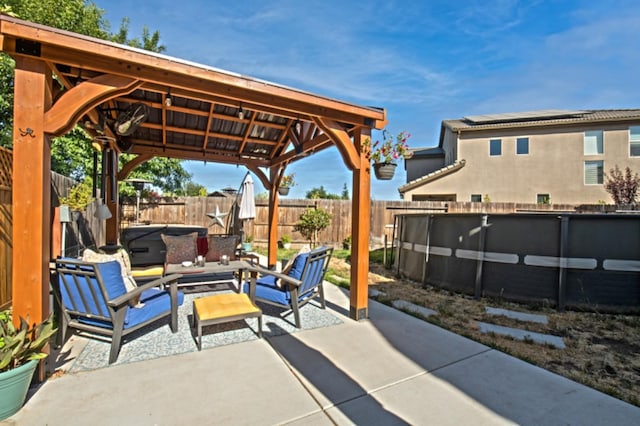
[(221, 308)]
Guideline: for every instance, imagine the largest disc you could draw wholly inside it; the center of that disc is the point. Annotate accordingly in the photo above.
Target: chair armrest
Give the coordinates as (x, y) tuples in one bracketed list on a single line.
[(264, 271), (172, 280)]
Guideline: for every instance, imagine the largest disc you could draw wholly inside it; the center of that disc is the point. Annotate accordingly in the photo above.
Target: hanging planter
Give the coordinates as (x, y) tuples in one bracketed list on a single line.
[(384, 171), (384, 154), (283, 190)]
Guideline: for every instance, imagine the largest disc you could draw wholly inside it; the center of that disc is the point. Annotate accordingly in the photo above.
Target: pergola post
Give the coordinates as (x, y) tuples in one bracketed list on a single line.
[(273, 220), (111, 197), (360, 224), (31, 191)]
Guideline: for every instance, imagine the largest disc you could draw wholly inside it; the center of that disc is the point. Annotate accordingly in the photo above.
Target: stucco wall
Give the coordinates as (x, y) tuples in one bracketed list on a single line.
[(554, 165)]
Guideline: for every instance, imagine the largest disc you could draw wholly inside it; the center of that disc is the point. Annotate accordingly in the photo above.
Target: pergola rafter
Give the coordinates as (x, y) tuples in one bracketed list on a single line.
[(192, 112)]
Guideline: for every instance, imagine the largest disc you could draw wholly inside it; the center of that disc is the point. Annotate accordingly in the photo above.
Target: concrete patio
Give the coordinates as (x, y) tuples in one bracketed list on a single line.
[(390, 369)]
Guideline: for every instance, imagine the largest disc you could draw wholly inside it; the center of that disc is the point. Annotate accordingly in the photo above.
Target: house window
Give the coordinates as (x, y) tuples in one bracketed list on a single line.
[(593, 172), (522, 146), (495, 147), (634, 141), (476, 198), (593, 143), (544, 199)]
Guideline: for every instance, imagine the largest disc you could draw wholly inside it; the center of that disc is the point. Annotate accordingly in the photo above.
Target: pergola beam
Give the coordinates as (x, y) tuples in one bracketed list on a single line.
[(77, 101)]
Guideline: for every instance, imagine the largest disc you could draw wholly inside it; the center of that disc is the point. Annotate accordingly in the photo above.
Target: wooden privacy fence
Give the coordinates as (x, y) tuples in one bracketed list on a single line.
[(6, 227), (193, 211)]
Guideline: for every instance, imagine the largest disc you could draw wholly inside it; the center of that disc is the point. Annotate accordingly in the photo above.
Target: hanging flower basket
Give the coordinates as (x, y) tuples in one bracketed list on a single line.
[(384, 171), (283, 190)]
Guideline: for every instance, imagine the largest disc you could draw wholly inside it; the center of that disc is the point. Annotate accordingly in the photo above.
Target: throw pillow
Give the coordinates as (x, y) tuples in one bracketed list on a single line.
[(220, 245), (180, 247), (125, 267)]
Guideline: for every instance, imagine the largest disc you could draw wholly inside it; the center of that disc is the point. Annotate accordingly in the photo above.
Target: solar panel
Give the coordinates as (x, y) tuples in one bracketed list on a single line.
[(522, 116)]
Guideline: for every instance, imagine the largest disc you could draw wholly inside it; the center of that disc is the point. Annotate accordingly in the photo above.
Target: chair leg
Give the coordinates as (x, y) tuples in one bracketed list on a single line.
[(321, 293), (115, 346), (61, 337), (173, 292), (116, 338), (295, 307)]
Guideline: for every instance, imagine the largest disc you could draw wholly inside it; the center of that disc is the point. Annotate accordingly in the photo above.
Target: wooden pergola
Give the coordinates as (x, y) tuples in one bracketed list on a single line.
[(151, 105)]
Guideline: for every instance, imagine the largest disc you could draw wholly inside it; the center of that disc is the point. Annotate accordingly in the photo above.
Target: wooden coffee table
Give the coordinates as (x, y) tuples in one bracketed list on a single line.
[(220, 308), (194, 276)]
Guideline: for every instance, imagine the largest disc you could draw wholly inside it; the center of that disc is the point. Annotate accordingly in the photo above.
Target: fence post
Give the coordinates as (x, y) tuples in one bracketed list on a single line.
[(427, 245), (480, 261), (562, 275)]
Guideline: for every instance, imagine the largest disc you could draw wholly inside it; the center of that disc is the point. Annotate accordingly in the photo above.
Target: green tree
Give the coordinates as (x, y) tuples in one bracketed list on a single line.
[(311, 222), (147, 42), (345, 192), (72, 154), (193, 189), (321, 193)]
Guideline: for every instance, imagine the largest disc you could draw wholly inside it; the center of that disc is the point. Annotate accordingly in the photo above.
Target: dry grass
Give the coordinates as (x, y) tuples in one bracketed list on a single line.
[(602, 350)]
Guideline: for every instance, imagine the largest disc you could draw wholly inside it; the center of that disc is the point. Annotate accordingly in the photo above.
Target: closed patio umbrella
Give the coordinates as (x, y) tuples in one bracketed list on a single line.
[(247, 203)]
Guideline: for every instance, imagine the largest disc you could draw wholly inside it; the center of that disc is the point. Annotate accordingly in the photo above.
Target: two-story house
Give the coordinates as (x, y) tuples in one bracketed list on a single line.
[(546, 156)]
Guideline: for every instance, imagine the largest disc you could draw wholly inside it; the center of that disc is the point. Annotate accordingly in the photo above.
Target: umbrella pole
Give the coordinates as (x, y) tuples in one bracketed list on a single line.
[(235, 208)]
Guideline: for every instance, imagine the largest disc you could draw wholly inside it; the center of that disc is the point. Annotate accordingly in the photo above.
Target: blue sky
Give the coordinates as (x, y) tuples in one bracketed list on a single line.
[(423, 61)]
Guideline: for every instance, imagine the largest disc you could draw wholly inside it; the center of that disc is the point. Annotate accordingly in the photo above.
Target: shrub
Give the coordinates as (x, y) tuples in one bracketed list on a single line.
[(623, 188), (311, 222)]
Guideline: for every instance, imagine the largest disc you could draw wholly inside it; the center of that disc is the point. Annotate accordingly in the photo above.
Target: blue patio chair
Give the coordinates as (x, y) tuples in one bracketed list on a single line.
[(92, 297), (294, 289)]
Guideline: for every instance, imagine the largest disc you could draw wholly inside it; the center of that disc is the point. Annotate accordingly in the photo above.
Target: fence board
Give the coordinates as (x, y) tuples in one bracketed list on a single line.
[(6, 227)]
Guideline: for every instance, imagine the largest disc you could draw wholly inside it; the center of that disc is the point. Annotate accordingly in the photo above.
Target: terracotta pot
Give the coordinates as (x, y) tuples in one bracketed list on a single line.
[(384, 171)]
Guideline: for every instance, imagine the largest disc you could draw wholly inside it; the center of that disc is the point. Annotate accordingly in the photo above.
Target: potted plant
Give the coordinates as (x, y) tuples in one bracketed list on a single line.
[(246, 245), (385, 154), (80, 196), (20, 350), (346, 243), (285, 241), (287, 182)]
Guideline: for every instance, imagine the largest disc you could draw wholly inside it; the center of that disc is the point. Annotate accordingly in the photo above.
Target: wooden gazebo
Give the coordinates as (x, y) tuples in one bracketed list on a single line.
[(147, 104)]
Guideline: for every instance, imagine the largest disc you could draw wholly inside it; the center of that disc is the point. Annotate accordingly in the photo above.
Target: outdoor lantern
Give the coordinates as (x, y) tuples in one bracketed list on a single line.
[(138, 185)]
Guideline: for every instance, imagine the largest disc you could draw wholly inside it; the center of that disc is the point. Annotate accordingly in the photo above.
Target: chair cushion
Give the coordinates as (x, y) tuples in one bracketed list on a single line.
[(287, 267), (267, 289), (114, 286), (298, 266), (180, 248), (220, 245), (153, 303)]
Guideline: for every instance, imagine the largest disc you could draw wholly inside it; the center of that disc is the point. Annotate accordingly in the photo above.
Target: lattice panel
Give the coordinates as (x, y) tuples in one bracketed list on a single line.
[(6, 166)]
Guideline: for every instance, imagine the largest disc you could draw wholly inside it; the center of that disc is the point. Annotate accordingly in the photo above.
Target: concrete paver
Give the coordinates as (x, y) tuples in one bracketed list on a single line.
[(519, 334)]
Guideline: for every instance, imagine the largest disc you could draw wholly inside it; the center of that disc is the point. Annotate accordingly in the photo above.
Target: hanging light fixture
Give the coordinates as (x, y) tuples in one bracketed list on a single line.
[(241, 113), (167, 100), (103, 212)]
